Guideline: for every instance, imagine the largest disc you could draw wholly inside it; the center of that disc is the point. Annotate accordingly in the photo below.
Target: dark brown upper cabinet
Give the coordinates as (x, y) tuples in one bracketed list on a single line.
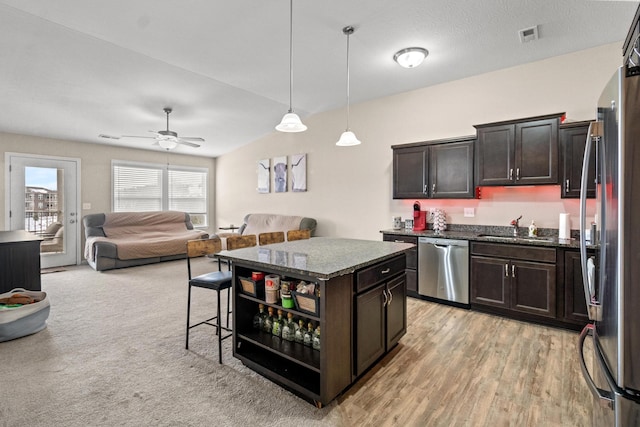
[(518, 152), (573, 140), (441, 169)]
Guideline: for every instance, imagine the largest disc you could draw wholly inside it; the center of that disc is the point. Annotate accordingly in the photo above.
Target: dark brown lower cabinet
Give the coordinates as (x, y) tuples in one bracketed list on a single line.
[(381, 320), (20, 261), (514, 279), (575, 306), (412, 260)]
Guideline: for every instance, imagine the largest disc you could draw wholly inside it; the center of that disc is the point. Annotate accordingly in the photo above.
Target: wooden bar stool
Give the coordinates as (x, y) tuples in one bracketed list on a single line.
[(273, 237), (298, 235), (216, 281), (244, 241)]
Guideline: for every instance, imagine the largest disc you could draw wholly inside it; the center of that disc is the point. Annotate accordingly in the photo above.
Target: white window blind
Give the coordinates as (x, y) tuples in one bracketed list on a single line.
[(188, 191), (149, 187)]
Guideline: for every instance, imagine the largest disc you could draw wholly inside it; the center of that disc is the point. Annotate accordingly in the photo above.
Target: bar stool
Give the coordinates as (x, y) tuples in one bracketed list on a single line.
[(238, 242), (298, 235), (216, 281), (272, 237)]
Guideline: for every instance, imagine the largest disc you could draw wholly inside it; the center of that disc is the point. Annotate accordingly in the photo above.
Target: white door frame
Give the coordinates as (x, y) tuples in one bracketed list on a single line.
[(7, 198)]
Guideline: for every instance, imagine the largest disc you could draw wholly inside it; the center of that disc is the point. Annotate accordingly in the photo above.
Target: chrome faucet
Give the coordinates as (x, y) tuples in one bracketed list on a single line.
[(515, 223)]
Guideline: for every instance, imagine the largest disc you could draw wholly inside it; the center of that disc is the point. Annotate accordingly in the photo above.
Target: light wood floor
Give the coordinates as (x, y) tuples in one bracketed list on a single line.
[(455, 367)]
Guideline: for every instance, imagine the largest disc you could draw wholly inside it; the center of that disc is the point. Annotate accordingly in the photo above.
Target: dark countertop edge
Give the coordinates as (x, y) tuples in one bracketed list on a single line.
[(555, 242), (228, 255), (319, 276), (18, 236)]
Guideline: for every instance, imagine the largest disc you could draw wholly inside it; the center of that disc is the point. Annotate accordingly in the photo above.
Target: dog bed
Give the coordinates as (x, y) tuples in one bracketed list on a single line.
[(18, 320)]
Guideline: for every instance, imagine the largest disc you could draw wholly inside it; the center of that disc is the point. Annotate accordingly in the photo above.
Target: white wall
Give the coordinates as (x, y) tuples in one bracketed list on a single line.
[(349, 189), (96, 159)]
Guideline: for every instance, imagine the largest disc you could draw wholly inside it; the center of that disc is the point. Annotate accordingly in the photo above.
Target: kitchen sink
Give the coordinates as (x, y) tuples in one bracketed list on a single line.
[(520, 238)]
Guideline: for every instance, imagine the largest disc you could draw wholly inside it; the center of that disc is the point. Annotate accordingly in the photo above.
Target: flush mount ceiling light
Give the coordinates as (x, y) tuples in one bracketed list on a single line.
[(410, 57), (347, 138), (290, 121)]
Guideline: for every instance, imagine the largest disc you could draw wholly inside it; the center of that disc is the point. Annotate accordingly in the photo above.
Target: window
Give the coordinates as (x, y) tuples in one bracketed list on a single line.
[(139, 187)]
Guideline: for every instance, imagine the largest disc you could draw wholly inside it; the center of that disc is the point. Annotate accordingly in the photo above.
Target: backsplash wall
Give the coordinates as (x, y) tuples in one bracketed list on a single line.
[(499, 205)]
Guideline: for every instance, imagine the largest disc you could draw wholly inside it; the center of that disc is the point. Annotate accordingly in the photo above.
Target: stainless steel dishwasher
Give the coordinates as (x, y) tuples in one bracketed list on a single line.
[(443, 269)]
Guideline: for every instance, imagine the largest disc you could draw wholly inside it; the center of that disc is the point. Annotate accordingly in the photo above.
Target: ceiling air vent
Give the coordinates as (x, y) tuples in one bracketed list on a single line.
[(528, 34)]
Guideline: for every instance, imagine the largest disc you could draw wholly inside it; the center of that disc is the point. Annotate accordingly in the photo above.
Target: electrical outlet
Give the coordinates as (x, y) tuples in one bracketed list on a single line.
[(86, 206), (469, 212)]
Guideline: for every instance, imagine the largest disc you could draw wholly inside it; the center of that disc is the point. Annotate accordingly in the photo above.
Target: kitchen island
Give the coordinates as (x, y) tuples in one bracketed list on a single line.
[(359, 304)]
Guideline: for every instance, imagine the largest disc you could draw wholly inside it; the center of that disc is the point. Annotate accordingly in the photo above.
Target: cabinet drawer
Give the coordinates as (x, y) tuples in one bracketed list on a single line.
[(369, 276), (400, 238), (412, 254), (528, 253)]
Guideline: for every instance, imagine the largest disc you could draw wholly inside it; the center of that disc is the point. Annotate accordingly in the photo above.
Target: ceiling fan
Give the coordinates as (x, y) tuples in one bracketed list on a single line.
[(166, 139)]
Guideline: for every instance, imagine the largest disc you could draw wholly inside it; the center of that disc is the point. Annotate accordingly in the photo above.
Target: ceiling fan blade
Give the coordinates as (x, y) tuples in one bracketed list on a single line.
[(102, 135), (192, 138), (138, 136), (190, 144)]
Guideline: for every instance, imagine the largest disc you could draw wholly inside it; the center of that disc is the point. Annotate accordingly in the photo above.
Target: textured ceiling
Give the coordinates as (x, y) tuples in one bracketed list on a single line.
[(73, 69)]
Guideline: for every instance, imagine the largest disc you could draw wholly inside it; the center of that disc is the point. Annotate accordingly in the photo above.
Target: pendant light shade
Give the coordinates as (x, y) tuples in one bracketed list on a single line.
[(348, 138), (290, 121)]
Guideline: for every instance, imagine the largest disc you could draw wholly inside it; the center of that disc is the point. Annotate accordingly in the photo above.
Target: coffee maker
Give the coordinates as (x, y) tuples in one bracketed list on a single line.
[(419, 217)]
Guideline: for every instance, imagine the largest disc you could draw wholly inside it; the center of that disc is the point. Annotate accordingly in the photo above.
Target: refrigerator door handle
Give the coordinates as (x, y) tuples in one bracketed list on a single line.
[(604, 397), (594, 309)]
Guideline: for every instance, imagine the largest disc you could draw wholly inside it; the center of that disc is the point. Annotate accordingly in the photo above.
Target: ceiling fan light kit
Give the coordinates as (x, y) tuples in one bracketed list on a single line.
[(348, 138), (410, 57), (290, 121)]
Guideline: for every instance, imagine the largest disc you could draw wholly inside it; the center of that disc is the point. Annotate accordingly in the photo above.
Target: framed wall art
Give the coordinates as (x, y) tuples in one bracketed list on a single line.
[(299, 172), (264, 169), (280, 174)]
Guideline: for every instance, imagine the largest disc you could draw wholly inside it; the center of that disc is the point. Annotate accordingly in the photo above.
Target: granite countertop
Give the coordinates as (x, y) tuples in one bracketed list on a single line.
[(496, 235), (321, 257)]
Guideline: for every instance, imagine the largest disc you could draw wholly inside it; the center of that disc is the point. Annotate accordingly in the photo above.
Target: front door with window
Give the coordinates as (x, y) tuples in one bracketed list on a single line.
[(44, 200)]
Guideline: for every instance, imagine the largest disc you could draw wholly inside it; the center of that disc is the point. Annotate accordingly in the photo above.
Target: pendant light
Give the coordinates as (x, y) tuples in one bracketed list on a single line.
[(290, 121), (347, 138)]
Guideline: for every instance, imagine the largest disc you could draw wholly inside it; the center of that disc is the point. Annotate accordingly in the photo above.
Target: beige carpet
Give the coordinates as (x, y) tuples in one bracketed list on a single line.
[(113, 355)]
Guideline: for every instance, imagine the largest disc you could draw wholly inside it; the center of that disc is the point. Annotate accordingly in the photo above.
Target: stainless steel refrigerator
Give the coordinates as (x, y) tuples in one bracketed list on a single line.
[(612, 277)]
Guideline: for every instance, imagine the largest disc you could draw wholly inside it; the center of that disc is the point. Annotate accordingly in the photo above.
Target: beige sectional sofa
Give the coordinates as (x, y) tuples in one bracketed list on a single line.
[(126, 239), (257, 223)]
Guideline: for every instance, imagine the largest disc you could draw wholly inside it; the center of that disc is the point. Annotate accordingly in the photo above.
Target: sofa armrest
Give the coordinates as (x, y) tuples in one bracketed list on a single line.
[(308, 224), (93, 225), (105, 250)]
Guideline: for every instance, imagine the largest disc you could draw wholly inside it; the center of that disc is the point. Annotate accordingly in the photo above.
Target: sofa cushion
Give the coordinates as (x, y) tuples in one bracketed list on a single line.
[(264, 223)]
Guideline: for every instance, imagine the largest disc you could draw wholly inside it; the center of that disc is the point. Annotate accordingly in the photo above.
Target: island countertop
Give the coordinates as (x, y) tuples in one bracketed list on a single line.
[(322, 257)]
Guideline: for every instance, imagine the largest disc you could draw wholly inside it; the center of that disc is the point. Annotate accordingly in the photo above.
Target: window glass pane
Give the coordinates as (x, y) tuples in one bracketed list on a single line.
[(137, 189), (188, 193)]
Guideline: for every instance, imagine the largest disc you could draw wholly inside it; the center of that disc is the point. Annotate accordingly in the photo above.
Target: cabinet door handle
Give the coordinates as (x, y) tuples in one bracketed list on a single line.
[(384, 294), (513, 271), (566, 186), (390, 297), (385, 271), (518, 174), (424, 189), (506, 270), (433, 189)]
